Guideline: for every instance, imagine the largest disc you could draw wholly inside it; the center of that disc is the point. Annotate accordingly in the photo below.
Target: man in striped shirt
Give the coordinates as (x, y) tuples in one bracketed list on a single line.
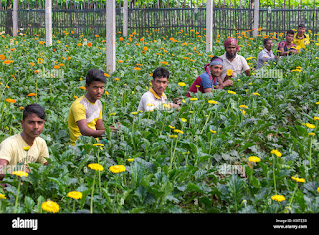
[(287, 47)]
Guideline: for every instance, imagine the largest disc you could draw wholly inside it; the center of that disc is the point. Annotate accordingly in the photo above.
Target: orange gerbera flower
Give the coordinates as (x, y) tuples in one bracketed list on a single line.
[(89, 44), (82, 87), (32, 94), (8, 61), (11, 100), (2, 57), (56, 66)]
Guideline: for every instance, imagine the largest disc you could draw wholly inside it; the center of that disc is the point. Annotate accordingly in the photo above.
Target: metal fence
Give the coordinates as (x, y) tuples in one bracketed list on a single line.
[(90, 18)]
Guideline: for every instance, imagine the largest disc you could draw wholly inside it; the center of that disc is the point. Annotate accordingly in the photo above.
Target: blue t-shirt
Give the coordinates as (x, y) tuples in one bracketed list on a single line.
[(206, 82)]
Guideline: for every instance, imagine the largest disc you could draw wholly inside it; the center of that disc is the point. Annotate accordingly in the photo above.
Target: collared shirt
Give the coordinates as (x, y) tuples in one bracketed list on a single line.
[(238, 65), (302, 42), (150, 100), (283, 44), (264, 57)]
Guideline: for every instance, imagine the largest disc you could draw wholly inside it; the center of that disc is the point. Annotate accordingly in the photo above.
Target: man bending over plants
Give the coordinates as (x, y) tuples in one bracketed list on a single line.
[(155, 97), (211, 77), (18, 150), (85, 114)]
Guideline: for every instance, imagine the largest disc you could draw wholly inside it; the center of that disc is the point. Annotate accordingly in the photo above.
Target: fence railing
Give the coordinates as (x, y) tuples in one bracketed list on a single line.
[(163, 22), (142, 4)]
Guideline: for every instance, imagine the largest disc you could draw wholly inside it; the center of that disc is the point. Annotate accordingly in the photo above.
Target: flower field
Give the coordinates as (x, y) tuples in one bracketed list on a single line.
[(250, 148)]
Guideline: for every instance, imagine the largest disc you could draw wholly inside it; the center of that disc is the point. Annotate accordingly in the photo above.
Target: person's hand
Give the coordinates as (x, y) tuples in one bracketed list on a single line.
[(228, 83), (175, 106), (115, 129)]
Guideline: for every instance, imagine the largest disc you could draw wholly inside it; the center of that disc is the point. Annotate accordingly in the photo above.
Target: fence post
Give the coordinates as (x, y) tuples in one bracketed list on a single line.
[(125, 18), (48, 22), (110, 35), (15, 18), (209, 25), (256, 18)]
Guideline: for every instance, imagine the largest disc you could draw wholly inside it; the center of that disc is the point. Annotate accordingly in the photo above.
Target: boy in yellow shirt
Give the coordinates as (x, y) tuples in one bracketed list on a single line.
[(300, 38), (85, 114), (26, 147)]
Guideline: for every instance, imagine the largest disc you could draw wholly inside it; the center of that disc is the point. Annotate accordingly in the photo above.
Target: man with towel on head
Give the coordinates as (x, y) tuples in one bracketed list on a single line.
[(233, 61), (210, 78)]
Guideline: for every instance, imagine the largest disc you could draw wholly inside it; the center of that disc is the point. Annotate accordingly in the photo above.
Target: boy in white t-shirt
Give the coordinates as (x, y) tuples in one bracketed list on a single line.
[(155, 97)]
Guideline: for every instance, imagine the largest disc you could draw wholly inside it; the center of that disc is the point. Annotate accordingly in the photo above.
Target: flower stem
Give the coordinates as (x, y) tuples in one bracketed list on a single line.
[(310, 151), (293, 194), (274, 175), (92, 191), (173, 155), (16, 202)]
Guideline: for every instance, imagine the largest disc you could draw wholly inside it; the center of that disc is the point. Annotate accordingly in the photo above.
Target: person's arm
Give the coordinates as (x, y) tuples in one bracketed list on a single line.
[(245, 66), (99, 125), (86, 131), (282, 52), (3, 165)]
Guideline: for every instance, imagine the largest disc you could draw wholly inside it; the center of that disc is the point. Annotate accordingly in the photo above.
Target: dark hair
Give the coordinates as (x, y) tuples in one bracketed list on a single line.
[(266, 40), (290, 32), (214, 58), (302, 26), (33, 108), (160, 73), (95, 75)]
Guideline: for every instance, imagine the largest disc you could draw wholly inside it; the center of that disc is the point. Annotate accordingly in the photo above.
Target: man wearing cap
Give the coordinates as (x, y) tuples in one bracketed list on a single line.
[(300, 38), (233, 61), (210, 78)]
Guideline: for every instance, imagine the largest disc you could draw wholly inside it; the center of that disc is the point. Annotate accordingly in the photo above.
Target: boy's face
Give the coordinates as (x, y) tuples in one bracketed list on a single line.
[(32, 125), (216, 70), (95, 90), (301, 30), (159, 85), (289, 37)]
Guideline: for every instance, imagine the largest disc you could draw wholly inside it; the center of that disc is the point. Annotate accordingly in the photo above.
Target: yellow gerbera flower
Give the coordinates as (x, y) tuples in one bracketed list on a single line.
[(212, 102), (278, 198), (117, 168), (96, 166), (276, 152), (310, 126), (75, 195), (26, 148), (20, 173), (50, 206), (300, 180), (254, 159)]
